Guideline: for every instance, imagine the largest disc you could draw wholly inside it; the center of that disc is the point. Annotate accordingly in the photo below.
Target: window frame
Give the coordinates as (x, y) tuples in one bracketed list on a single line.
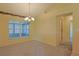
[(27, 29), (20, 29)]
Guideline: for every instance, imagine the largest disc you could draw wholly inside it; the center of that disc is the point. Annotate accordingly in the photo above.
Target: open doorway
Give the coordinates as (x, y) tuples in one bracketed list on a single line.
[(64, 28)]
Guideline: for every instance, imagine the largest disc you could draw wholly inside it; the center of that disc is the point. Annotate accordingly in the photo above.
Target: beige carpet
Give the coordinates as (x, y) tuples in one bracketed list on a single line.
[(34, 48)]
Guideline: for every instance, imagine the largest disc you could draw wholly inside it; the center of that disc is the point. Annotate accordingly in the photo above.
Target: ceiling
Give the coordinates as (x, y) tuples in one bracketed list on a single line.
[(22, 8)]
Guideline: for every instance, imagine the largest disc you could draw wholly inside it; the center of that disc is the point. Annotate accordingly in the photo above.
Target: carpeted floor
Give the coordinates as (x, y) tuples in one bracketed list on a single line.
[(34, 48)]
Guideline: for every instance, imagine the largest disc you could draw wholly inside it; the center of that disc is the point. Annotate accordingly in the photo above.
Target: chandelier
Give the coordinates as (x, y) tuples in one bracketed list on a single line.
[(29, 18)]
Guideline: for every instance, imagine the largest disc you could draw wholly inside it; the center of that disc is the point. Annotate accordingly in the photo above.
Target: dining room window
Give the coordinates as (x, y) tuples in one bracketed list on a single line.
[(24, 29), (18, 29), (14, 29)]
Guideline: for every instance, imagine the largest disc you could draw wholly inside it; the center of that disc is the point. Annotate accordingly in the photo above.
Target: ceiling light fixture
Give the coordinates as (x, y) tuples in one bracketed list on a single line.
[(29, 18)]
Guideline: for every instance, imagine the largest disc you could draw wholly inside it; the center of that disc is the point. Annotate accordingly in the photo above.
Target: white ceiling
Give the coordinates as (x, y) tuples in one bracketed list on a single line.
[(22, 8)]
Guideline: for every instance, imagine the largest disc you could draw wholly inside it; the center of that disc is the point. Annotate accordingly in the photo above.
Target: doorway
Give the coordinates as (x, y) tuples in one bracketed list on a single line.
[(65, 30)]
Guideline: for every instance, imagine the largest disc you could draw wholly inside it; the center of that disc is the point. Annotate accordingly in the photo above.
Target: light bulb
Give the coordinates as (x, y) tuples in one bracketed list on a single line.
[(26, 19), (29, 19), (33, 19)]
